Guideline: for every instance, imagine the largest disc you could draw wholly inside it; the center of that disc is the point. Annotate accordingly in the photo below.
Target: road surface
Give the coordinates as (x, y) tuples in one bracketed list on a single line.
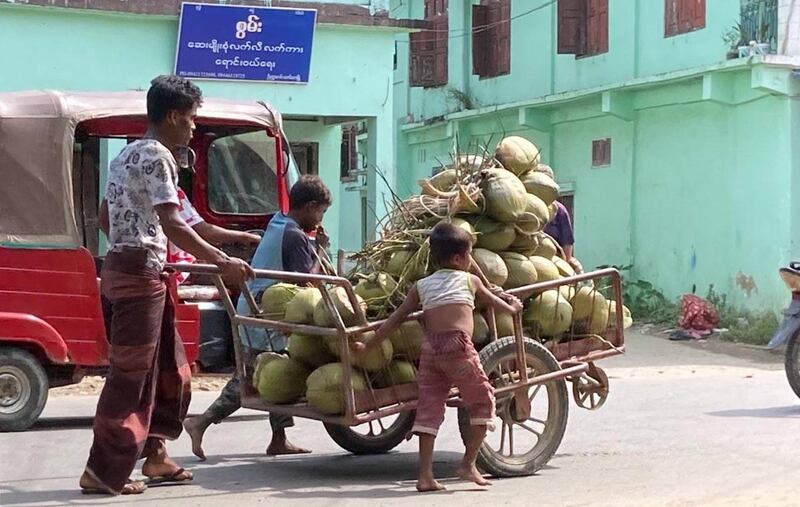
[(683, 426)]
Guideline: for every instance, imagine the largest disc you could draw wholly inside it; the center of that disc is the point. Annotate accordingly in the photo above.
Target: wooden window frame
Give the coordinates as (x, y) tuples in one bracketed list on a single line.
[(428, 49), (491, 38), (349, 153), (601, 152), (683, 16), (582, 27)]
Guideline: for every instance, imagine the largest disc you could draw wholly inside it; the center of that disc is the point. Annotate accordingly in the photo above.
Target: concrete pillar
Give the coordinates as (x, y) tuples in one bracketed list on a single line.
[(789, 27), (380, 149)]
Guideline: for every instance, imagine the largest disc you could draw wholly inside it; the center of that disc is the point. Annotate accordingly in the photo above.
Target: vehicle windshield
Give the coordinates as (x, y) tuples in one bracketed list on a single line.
[(242, 174)]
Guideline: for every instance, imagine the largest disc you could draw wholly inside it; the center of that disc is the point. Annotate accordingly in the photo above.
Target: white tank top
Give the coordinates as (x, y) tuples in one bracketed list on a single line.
[(446, 287)]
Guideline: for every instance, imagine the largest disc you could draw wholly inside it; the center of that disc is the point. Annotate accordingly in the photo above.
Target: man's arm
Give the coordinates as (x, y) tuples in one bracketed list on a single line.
[(569, 251), (176, 230), (220, 236)]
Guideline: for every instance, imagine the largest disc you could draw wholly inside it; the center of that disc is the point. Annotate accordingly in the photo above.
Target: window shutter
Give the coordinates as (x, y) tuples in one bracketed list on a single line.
[(479, 40), (685, 8), (670, 17), (493, 21), (571, 26), (597, 27), (503, 42), (698, 14), (415, 59)]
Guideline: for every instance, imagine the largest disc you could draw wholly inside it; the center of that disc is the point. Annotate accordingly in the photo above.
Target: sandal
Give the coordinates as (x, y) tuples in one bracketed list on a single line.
[(180, 476), (130, 488)]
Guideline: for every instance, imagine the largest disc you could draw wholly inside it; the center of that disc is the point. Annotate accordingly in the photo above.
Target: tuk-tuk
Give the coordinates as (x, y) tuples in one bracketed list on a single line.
[(54, 152)]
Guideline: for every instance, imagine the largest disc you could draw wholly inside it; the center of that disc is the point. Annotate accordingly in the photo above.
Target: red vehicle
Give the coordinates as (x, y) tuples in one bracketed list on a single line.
[(54, 150)]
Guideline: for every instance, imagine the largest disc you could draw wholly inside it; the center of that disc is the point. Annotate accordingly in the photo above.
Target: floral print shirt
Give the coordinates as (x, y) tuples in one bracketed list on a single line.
[(141, 177)]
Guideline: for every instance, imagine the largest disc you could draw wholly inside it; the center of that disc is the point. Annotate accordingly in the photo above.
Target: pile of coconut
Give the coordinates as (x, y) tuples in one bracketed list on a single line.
[(503, 200)]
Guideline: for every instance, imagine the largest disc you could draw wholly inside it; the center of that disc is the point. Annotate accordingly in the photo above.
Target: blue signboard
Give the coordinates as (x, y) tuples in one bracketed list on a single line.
[(245, 43)]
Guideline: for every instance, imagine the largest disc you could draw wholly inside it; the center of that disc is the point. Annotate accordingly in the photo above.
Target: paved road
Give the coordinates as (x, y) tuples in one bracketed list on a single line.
[(683, 426)]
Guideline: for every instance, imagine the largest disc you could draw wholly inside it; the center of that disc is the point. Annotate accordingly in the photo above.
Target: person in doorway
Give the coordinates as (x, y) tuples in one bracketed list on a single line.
[(147, 389), (448, 356), (560, 227), (285, 247)]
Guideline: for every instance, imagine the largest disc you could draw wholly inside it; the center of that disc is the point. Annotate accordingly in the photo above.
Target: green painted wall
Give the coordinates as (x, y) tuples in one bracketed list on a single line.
[(351, 76)]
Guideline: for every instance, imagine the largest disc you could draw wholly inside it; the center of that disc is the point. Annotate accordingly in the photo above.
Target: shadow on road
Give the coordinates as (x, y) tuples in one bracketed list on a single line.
[(70, 423), (331, 476), (770, 412)]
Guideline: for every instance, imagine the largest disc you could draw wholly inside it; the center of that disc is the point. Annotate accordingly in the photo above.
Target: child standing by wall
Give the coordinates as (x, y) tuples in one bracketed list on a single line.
[(448, 356)]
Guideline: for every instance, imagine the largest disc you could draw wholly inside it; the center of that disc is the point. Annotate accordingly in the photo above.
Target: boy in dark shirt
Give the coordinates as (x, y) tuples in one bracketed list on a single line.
[(284, 247)]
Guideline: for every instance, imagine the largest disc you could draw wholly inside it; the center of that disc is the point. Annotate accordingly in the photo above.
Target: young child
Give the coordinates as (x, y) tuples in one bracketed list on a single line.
[(448, 356)]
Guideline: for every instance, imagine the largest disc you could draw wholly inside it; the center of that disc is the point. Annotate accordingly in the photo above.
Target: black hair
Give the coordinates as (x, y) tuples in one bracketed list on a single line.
[(168, 93), (309, 188), (447, 241)]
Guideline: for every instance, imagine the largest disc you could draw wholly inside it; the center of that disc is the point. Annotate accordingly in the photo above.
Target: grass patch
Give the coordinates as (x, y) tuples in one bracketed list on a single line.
[(744, 326)]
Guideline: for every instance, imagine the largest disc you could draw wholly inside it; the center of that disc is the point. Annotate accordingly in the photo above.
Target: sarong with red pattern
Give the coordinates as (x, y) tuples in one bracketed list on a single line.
[(147, 390)]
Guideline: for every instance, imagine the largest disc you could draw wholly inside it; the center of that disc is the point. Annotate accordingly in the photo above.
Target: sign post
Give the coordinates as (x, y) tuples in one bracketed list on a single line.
[(243, 43)]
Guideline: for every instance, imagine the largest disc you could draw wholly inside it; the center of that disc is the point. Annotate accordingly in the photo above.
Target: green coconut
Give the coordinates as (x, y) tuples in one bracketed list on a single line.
[(275, 299), (505, 324), (564, 267), (524, 244), (627, 319), (493, 235), (300, 310), (309, 350), (542, 186), (325, 391), (376, 287), (549, 314), (492, 265), (567, 292), (407, 339), (545, 247), (323, 317), (521, 270), (551, 212), (517, 154), (504, 195), (444, 180), (282, 380), (397, 261), (536, 216), (545, 269), (396, 373), (259, 363), (590, 310), (480, 330), (374, 360), (466, 226), (546, 169)]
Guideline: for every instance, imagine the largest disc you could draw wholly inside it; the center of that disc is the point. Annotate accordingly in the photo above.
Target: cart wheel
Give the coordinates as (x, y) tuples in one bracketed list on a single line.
[(521, 447), (375, 437), (590, 390)]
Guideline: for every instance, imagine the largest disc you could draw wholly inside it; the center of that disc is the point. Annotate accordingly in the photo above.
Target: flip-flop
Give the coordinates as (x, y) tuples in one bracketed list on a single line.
[(173, 478), (101, 491)]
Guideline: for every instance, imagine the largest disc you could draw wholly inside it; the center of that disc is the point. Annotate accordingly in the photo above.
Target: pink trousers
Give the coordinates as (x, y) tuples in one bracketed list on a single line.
[(449, 359)]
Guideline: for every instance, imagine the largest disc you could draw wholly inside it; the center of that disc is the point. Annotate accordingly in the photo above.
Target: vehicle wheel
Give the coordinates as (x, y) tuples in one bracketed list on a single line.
[(521, 447), (375, 437), (23, 389), (793, 362)]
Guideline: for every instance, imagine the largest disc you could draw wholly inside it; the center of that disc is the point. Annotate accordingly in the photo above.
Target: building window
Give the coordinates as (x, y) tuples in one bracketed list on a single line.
[(582, 27), (601, 152), (682, 16), (491, 38), (306, 155), (428, 60), (349, 160)]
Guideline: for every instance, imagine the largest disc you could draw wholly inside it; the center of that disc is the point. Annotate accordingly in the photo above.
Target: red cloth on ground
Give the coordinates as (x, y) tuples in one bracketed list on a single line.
[(698, 316)]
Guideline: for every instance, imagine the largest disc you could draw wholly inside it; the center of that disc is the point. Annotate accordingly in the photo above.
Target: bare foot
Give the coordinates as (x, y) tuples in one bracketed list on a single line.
[(89, 486), (470, 473), (285, 447), (429, 484), (195, 428)]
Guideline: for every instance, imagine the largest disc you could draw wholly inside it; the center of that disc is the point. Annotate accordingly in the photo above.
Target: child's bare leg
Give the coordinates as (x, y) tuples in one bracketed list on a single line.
[(426, 481), (468, 471)]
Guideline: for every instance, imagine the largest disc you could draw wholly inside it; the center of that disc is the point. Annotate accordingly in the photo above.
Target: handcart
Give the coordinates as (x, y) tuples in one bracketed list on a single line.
[(532, 400)]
